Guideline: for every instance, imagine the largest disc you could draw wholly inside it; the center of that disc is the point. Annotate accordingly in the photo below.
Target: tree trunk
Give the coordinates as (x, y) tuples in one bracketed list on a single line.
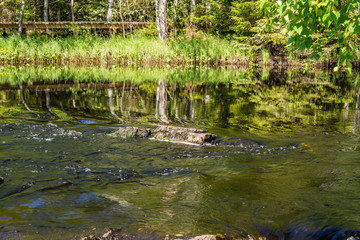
[(192, 7), (161, 18), (21, 18), (175, 16), (46, 10), (72, 11), (35, 3), (109, 11), (58, 12), (130, 18), (192, 10), (121, 16), (208, 8)]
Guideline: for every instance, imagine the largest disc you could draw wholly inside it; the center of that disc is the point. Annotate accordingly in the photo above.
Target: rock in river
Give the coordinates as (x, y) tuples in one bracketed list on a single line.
[(181, 134), (132, 132)]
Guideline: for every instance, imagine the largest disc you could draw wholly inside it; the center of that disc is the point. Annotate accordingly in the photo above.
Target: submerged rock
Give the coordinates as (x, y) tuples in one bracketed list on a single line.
[(132, 132), (206, 237), (238, 142)]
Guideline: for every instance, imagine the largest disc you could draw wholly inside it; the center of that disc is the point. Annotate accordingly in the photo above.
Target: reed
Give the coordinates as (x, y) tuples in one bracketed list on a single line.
[(137, 51)]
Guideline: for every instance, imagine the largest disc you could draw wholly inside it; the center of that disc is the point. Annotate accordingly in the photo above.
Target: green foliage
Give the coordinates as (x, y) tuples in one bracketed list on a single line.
[(201, 17), (245, 15), (220, 18), (149, 30), (335, 20)]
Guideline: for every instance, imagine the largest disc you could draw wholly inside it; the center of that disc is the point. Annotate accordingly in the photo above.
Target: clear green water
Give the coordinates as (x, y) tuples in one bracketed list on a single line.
[(65, 178)]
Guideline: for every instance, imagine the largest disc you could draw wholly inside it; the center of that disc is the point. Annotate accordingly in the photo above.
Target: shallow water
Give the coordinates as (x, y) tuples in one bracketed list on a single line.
[(65, 177)]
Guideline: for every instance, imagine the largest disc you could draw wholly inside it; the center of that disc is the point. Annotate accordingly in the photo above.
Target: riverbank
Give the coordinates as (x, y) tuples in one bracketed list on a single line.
[(146, 51)]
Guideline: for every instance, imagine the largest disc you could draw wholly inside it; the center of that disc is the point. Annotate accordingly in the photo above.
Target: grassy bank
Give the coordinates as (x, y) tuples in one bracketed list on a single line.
[(146, 51), (140, 50)]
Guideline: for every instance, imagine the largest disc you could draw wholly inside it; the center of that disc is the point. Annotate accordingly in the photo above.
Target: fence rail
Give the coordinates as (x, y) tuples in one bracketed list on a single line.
[(67, 25)]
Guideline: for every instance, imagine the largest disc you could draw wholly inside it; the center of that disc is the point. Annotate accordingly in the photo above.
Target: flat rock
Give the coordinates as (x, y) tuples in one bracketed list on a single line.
[(181, 134)]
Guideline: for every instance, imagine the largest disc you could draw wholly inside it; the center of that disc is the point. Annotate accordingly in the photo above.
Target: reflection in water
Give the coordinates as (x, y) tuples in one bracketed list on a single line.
[(110, 182), (254, 107), (111, 104), (23, 100), (161, 102), (50, 113)]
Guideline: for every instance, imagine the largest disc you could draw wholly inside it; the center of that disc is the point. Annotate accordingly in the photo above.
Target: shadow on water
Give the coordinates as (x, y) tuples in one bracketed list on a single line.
[(62, 173)]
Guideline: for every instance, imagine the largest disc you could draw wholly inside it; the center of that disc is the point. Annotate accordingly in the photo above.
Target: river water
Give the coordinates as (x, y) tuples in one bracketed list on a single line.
[(65, 177)]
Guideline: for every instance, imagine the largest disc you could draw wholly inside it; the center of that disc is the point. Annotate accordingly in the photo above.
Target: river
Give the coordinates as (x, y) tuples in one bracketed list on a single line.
[(65, 177)]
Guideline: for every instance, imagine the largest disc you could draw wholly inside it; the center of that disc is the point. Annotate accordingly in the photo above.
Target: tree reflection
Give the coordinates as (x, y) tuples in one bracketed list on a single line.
[(111, 104), (357, 113), (49, 111), (22, 97), (161, 102)]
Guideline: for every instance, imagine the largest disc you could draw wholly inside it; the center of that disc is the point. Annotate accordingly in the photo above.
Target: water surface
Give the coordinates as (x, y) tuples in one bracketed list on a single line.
[(65, 177)]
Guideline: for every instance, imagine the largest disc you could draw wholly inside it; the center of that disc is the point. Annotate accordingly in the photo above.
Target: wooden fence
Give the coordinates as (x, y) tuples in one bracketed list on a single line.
[(34, 26)]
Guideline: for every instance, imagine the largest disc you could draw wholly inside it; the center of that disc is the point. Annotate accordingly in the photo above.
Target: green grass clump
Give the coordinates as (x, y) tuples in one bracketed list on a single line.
[(137, 48)]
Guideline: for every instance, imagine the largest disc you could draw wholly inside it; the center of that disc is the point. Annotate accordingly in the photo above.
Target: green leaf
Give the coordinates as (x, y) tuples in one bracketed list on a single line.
[(335, 15), (348, 70), (298, 29), (357, 29), (305, 32), (308, 42), (262, 4), (325, 17), (302, 47), (286, 17)]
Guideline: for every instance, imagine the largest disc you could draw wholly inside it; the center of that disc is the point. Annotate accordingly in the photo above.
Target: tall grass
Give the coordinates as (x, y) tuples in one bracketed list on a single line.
[(265, 53), (137, 48)]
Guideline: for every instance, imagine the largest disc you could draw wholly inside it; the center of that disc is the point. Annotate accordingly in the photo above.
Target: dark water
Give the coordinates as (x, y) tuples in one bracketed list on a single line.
[(65, 177)]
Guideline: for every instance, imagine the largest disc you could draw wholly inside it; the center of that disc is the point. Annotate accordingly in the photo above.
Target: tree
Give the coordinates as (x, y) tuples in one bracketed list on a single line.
[(72, 10), (161, 18), (245, 15), (109, 11), (21, 18), (46, 11), (313, 24), (220, 18)]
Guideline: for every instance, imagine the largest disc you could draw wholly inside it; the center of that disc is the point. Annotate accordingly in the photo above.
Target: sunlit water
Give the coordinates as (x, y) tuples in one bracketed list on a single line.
[(65, 177)]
